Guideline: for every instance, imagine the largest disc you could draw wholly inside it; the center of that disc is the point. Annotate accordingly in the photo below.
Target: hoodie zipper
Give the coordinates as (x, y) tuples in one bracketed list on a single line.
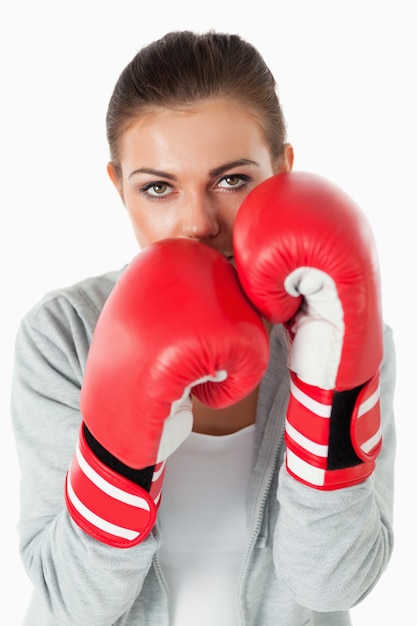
[(260, 507)]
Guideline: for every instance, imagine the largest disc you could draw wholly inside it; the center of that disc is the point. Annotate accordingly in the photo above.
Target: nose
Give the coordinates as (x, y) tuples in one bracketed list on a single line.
[(199, 218)]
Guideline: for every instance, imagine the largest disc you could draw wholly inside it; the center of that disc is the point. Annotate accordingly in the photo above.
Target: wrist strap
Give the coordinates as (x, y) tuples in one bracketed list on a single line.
[(332, 438), (106, 505)]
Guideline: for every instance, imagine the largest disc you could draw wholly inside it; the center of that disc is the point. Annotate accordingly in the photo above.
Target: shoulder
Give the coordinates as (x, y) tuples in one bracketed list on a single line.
[(79, 303), (85, 296), (57, 330)]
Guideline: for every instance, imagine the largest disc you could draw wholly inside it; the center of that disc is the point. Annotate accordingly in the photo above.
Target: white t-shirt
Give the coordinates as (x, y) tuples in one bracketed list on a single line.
[(204, 526)]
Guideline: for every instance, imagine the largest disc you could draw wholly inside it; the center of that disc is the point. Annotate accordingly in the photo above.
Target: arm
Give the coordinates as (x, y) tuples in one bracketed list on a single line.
[(158, 336), (306, 258), (69, 569)]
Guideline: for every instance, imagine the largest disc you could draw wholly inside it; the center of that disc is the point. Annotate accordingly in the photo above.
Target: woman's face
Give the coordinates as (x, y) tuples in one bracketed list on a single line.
[(185, 173)]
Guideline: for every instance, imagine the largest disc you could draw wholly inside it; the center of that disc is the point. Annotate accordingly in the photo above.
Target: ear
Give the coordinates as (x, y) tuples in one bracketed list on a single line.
[(286, 160), (116, 179)]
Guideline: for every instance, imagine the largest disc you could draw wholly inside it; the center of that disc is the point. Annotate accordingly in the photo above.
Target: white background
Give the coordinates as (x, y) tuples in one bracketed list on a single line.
[(346, 73)]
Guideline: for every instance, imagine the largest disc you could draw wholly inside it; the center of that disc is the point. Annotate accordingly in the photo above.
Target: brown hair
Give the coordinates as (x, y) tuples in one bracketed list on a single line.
[(183, 68)]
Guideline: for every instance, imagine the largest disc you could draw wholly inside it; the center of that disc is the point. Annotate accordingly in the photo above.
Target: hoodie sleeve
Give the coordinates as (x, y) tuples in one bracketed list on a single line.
[(80, 580)]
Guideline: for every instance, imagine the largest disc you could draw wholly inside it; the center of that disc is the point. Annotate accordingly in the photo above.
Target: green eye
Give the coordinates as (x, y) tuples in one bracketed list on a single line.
[(158, 189), (232, 180)]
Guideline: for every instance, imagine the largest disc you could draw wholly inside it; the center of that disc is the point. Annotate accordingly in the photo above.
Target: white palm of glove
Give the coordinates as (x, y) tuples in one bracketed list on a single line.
[(178, 426), (316, 348)]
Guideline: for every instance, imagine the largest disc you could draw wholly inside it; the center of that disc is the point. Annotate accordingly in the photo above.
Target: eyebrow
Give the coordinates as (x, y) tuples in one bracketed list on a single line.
[(212, 173), (152, 172)]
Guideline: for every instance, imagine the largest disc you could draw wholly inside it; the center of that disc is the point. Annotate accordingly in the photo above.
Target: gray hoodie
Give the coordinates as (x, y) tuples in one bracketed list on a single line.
[(312, 554)]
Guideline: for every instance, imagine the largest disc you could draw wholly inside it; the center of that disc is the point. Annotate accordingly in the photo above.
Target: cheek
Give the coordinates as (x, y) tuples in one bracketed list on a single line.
[(232, 210), (151, 225)]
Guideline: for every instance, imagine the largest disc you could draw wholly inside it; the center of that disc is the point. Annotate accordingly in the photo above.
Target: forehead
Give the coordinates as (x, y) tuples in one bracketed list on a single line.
[(206, 131)]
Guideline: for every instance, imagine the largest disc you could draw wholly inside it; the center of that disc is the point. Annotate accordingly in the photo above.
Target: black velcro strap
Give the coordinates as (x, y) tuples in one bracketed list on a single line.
[(142, 477), (341, 451)]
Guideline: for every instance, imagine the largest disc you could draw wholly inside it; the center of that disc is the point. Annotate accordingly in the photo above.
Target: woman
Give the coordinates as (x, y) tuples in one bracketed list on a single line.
[(194, 125)]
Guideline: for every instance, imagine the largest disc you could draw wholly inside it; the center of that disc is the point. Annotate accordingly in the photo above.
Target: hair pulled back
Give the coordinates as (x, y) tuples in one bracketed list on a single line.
[(183, 68)]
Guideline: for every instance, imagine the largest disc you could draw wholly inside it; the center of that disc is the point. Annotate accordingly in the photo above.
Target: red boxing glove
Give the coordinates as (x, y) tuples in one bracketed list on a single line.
[(177, 323), (306, 257)]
